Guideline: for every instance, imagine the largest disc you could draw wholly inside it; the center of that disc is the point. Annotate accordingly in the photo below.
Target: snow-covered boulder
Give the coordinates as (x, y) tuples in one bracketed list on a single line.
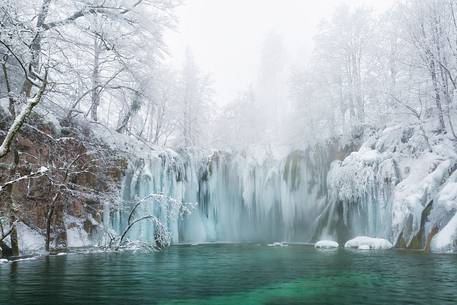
[(368, 243), (326, 244)]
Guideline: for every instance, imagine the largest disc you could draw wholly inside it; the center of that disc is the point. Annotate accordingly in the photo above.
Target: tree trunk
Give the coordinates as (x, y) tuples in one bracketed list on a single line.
[(448, 99), (8, 141), (357, 87), (442, 126), (11, 209), (351, 92), (96, 81), (35, 47), (134, 107), (49, 222)]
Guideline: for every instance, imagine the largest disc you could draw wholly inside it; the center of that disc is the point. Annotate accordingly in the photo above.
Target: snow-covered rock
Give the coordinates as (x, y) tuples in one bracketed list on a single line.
[(395, 188), (446, 239), (368, 243), (3, 261), (326, 244)]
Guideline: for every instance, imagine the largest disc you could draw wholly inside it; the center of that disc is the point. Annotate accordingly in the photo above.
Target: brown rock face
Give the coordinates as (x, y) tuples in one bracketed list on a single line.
[(82, 174)]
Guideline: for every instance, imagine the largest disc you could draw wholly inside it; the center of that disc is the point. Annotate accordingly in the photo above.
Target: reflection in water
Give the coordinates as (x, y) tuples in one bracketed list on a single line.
[(233, 274)]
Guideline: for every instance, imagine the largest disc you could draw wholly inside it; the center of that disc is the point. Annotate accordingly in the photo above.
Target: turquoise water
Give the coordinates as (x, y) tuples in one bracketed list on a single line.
[(233, 274)]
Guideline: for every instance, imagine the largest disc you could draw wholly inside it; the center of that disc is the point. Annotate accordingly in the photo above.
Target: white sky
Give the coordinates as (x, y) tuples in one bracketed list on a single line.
[(226, 35)]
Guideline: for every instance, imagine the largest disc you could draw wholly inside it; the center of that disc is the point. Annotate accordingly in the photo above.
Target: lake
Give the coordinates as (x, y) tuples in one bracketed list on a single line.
[(233, 274)]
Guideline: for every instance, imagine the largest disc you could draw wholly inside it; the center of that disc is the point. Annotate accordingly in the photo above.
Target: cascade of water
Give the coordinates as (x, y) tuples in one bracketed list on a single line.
[(377, 189), (240, 199)]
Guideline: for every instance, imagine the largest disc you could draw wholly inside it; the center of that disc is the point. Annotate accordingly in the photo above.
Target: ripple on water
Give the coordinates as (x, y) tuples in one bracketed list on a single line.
[(233, 274)]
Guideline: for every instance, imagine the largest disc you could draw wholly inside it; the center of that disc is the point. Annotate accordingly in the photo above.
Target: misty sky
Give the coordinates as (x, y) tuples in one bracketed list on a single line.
[(226, 35)]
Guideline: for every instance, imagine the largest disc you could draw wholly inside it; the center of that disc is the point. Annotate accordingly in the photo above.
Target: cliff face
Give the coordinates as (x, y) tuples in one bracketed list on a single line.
[(55, 182)]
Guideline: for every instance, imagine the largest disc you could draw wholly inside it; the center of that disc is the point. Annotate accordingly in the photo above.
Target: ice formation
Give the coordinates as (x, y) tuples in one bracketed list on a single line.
[(76, 235), (30, 241), (394, 188), (277, 244), (240, 198), (391, 188), (368, 243), (326, 244)]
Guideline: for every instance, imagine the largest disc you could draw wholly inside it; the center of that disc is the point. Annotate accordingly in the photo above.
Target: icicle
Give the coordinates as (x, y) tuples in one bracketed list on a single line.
[(240, 198)]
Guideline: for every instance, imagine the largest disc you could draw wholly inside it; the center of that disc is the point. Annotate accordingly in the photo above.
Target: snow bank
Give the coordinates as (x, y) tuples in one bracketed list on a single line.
[(3, 261), (367, 243), (326, 244)]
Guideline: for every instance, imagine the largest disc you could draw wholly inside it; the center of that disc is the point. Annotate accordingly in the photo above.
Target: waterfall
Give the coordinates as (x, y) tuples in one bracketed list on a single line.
[(241, 198), (375, 189), (360, 196)]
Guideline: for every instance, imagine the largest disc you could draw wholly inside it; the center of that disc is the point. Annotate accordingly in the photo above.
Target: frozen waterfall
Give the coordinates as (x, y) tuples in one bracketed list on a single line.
[(325, 192), (240, 198)]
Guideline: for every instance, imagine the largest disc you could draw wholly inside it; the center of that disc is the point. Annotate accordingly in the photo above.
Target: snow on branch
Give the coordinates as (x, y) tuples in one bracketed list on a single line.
[(22, 116), (162, 236), (90, 10), (42, 171)]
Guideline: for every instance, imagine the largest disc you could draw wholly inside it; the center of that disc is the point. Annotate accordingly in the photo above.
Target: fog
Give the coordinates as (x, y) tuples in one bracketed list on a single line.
[(226, 35), (236, 74)]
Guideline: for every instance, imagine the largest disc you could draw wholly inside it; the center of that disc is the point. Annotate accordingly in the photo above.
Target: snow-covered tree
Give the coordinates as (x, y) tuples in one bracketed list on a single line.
[(194, 100)]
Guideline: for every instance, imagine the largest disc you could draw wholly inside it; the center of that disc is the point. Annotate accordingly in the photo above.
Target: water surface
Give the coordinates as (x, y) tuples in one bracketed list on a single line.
[(233, 274)]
